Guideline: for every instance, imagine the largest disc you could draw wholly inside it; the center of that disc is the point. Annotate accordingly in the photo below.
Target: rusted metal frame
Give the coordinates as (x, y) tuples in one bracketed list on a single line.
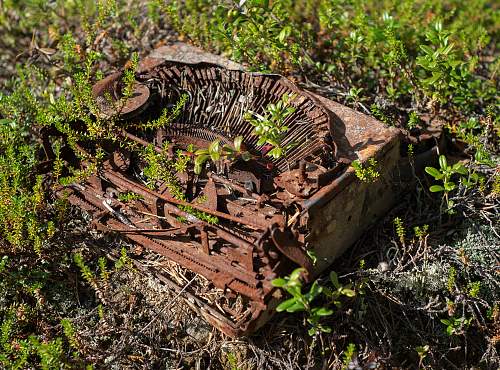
[(241, 189), (257, 241), (141, 190), (328, 192), (204, 239), (259, 198), (171, 231), (249, 213), (291, 248), (213, 267), (77, 200), (279, 84), (236, 280), (247, 252)]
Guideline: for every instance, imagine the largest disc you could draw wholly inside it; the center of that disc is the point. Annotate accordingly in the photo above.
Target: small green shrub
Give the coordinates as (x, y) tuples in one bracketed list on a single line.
[(444, 174), (270, 127), (368, 172), (303, 301)]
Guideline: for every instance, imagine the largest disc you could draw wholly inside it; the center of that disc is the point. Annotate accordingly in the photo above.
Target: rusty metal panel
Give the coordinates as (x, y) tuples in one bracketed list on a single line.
[(343, 210), (270, 211)]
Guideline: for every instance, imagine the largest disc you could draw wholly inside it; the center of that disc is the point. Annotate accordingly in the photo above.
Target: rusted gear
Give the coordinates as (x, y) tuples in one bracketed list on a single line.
[(109, 97)]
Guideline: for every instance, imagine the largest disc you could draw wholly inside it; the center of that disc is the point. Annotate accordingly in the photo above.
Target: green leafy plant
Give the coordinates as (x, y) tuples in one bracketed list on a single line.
[(99, 280), (422, 352), (400, 229), (474, 288), (379, 113), (366, 172), (24, 288), (161, 169), (403, 60), (216, 152), (349, 354), (270, 127), (303, 301), (123, 261), (444, 174), (447, 72), (85, 270), (456, 325), (233, 361), (413, 120), (129, 196), (452, 275), (261, 32)]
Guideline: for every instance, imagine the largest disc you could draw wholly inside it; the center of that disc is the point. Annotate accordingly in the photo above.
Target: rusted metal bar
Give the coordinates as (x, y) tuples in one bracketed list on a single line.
[(143, 191)]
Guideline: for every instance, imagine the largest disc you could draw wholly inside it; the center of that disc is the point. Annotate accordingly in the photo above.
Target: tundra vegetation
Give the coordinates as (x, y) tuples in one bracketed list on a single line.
[(419, 290)]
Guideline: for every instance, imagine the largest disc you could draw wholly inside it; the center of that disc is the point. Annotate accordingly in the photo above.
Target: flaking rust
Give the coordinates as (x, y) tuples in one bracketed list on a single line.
[(269, 211)]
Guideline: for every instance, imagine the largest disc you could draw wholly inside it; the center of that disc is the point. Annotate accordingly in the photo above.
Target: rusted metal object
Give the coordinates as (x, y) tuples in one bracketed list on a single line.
[(269, 211)]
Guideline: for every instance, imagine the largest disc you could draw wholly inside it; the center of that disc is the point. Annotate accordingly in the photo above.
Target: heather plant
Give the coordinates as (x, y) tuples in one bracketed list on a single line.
[(22, 195), (367, 172), (33, 100)]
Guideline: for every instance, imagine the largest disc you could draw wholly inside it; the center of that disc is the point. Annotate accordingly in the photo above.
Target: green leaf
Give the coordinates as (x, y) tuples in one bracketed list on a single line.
[(198, 162), (279, 282), (325, 329), (237, 143), (314, 291), (283, 306), (285, 32), (322, 311), (294, 289), (447, 50), (276, 152), (449, 186), (426, 49), (215, 156), (214, 146), (334, 279), (348, 292), (436, 188), (295, 275), (442, 162), (296, 307), (460, 168), (435, 78), (446, 321), (434, 172), (261, 141), (200, 159), (197, 168), (201, 151)]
